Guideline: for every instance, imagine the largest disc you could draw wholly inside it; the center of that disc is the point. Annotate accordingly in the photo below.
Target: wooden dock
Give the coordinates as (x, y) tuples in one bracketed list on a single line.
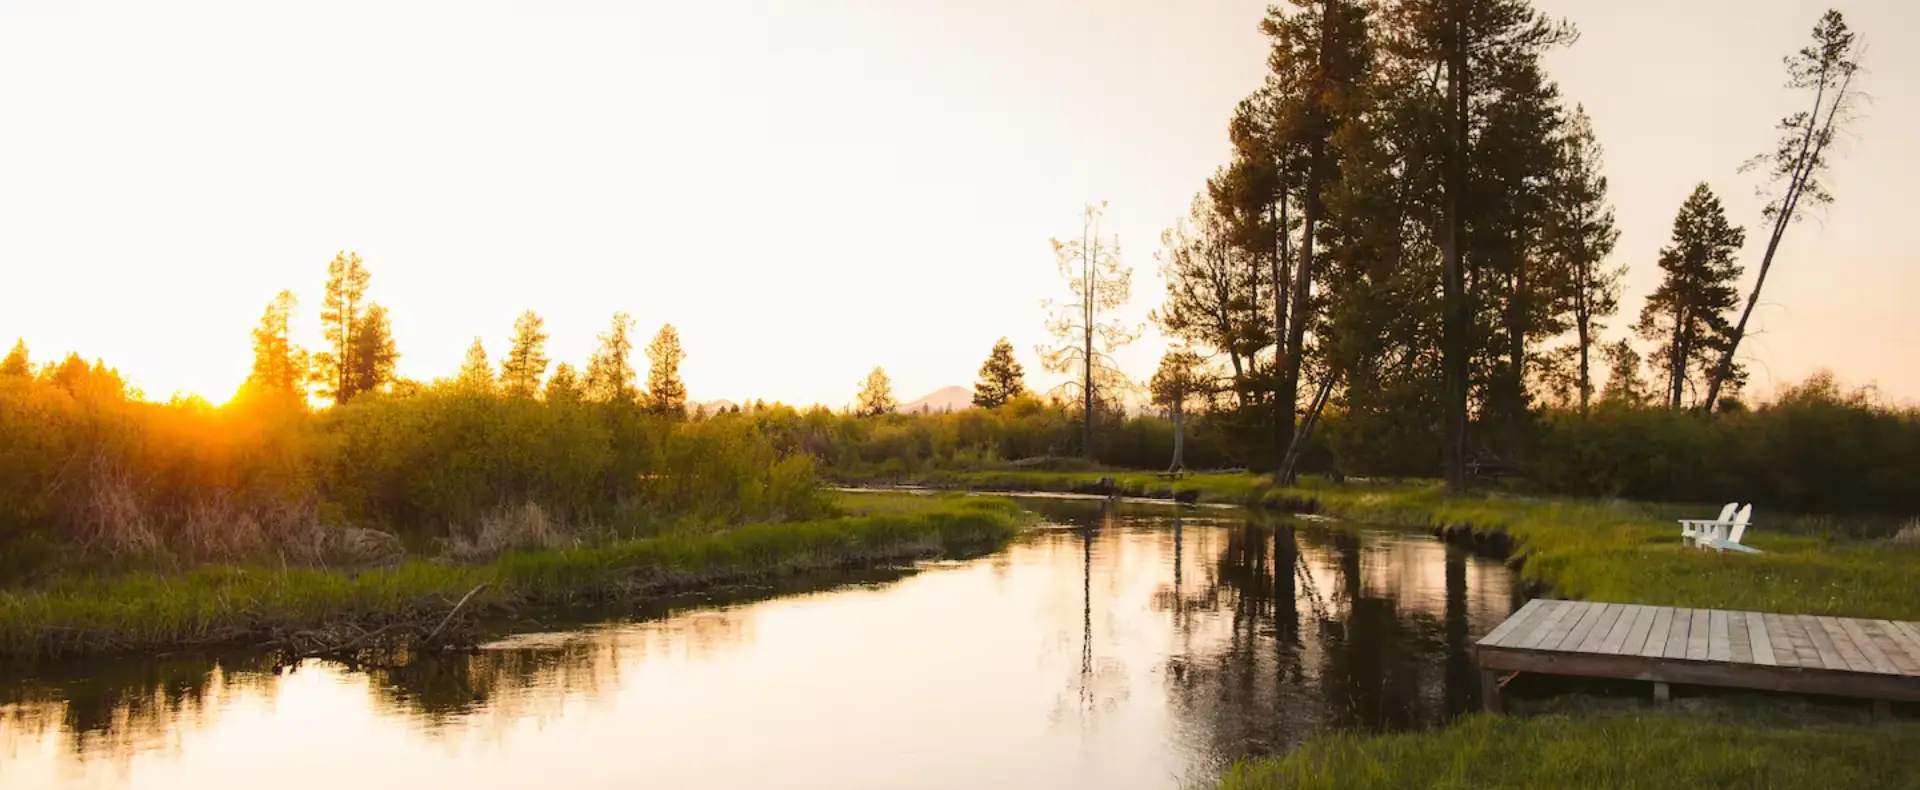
[(1871, 659)]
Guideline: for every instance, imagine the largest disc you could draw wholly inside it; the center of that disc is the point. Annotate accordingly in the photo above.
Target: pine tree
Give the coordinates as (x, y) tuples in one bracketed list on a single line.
[(16, 363), (279, 366), (1321, 55), (526, 359), (1687, 313), (1084, 335), (610, 374), (1001, 379), (666, 394), (1825, 70), (372, 357), (564, 385), (1624, 384), (340, 317), (1578, 237), (476, 374), (876, 394)]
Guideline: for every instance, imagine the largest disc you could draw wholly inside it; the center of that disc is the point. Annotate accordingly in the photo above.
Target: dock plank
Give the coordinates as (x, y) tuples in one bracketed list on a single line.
[(1912, 632), (1637, 629), (1805, 654), (1890, 647), (1656, 641), (1539, 632), (1513, 622), (1580, 627), (1622, 626), (1907, 644), (1598, 634), (1719, 637), (1739, 638), (1823, 643), (1576, 611), (1677, 633), (1849, 652), (1698, 635), (1762, 638), (1875, 658)]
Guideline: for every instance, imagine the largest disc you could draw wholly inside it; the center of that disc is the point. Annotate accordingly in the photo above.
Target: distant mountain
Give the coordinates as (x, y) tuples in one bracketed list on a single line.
[(943, 399)]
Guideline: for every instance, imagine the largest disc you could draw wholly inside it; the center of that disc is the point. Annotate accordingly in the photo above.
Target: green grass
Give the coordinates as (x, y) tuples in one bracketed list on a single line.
[(224, 605), (1641, 750)]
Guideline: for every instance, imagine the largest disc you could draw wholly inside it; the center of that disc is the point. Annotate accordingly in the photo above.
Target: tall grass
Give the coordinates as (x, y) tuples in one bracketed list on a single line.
[(250, 605), (1640, 750)]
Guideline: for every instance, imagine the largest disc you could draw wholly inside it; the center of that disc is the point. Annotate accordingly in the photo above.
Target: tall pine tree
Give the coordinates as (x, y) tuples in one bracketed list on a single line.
[(666, 393), (1579, 235), (476, 374), (1001, 379), (340, 317), (610, 374), (372, 357), (1687, 315), (279, 365), (526, 359)]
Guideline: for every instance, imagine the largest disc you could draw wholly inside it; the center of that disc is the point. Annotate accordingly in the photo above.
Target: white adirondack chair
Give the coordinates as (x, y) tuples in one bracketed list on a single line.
[(1692, 530), (1732, 538)]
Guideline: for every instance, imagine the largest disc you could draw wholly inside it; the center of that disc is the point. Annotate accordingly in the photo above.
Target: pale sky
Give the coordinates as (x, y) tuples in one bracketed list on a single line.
[(805, 189)]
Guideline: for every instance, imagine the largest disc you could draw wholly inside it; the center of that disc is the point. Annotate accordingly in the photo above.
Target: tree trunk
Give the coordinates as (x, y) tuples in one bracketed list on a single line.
[(1789, 205), (1455, 319), (1282, 272), (1677, 359), (1583, 319), (1179, 435)]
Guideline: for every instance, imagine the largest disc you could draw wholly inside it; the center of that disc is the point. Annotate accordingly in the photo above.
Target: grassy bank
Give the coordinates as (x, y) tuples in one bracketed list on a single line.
[(1639, 750), (302, 608), (1625, 552)]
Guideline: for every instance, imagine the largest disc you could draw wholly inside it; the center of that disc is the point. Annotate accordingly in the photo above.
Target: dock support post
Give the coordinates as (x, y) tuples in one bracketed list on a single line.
[(1662, 692), (1490, 691), (1882, 710)]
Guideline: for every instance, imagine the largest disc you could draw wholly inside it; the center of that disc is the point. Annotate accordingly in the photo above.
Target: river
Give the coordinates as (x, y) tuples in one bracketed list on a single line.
[(1120, 646)]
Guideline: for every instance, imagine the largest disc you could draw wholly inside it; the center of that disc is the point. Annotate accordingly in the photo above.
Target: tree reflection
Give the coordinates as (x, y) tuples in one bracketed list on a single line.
[(1313, 631)]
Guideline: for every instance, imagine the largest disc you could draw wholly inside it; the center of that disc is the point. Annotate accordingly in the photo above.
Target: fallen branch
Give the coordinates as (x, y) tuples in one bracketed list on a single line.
[(456, 610)]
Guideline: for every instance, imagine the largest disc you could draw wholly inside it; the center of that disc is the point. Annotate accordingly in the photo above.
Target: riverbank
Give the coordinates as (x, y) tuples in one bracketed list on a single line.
[(1642, 750), (317, 610), (1617, 551)]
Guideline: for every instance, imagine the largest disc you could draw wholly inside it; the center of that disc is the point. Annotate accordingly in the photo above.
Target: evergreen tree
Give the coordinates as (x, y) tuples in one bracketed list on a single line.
[(1471, 150), (666, 394), (1321, 54), (340, 317), (16, 363), (476, 374), (610, 374), (1825, 70), (876, 394), (1579, 236), (1624, 383), (1084, 335), (1687, 314), (1001, 379), (279, 366), (526, 359), (564, 385), (372, 357)]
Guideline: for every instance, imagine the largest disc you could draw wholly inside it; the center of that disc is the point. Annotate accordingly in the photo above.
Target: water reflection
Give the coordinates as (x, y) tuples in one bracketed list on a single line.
[(1126, 646)]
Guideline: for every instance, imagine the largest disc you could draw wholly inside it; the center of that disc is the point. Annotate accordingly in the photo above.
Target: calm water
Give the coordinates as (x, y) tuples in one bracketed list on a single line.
[(1125, 647)]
